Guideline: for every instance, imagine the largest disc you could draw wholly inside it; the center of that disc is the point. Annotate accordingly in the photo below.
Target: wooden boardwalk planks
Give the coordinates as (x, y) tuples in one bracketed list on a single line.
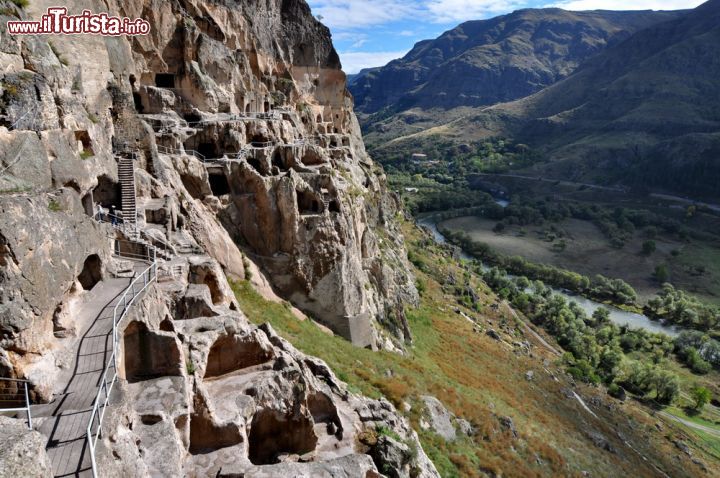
[(67, 416)]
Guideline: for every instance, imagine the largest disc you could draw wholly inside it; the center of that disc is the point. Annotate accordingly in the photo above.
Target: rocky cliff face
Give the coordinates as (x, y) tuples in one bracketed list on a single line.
[(501, 59), (244, 155)]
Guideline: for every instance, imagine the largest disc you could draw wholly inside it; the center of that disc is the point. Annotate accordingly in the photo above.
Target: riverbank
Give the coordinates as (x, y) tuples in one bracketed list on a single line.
[(617, 315)]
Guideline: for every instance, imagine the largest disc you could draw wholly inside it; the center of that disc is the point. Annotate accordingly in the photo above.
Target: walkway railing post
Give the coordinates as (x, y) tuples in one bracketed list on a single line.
[(27, 403), (102, 399)]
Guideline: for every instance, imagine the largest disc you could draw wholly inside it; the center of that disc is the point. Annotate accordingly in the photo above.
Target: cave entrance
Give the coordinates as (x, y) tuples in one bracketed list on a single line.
[(273, 434), (164, 80), (319, 119), (307, 203), (277, 160), (137, 99), (107, 193), (192, 117), (148, 354), (91, 273), (232, 353), (255, 163), (266, 106), (209, 150), (219, 184), (247, 108)]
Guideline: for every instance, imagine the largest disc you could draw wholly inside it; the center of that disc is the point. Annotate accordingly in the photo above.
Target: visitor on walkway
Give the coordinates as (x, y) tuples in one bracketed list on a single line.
[(171, 214), (100, 212), (113, 215)]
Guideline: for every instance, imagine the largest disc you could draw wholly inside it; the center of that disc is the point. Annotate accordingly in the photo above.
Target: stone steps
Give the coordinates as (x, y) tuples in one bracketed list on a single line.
[(126, 175)]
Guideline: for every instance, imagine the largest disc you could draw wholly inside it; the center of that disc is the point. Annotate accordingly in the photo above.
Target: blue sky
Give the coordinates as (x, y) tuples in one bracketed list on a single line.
[(373, 32)]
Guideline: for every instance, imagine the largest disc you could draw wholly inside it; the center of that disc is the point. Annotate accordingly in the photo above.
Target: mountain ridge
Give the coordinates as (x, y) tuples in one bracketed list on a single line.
[(646, 101), (483, 62)]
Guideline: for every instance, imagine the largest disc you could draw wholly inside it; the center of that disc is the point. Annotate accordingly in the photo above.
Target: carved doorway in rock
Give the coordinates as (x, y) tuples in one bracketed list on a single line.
[(91, 272)]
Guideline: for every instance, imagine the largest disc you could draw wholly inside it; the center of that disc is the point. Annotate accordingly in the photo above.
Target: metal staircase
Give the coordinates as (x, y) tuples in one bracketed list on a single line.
[(126, 174)]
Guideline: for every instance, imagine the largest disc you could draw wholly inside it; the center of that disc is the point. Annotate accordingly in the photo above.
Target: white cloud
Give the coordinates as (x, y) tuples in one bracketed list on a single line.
[(355, 61), (355, 14), (456, 11), (342, 15), (628, 5), (348, 36), (407, 33)]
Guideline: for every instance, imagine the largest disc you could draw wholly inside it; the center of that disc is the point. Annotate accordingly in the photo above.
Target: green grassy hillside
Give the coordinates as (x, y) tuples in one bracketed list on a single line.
[(482, 380)]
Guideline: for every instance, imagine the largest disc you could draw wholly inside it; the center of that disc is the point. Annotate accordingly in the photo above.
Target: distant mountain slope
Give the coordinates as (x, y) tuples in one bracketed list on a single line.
[(645, 112), (490, 61)]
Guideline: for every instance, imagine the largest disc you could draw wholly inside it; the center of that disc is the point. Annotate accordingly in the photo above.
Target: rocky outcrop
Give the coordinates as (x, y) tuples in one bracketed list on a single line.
[(22, 451), (300, 197), (439, 419), (216, 396)]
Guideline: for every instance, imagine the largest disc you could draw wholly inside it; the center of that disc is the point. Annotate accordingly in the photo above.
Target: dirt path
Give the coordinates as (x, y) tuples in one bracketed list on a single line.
[(532, 332), (712, 431), (550, 180), (714, 207)]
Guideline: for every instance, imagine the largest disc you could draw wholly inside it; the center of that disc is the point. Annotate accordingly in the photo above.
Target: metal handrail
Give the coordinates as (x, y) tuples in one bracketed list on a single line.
[(275, 114), (188, 152), (261, 144), (147, 277), (26, 408)]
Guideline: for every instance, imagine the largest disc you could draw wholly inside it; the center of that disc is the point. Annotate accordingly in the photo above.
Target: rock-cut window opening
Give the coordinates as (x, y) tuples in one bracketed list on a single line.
[(165, 80), (83, 138)]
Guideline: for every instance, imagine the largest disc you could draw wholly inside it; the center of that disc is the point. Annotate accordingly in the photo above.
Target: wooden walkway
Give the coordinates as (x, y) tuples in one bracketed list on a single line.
[(67, 416)]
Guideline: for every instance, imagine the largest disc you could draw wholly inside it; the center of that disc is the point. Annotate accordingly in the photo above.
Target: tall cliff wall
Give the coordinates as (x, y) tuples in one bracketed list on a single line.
[(244, 151), (310, 208)]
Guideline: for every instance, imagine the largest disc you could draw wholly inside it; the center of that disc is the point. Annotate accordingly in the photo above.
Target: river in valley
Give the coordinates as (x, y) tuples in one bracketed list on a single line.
[(618, 316)]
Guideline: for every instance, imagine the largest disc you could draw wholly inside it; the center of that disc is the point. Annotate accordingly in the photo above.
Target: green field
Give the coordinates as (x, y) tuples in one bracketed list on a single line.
[(694, 266)]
